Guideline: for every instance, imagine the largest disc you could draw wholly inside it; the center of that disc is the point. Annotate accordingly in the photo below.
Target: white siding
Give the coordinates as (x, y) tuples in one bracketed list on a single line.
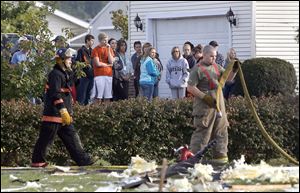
[(240, 38), (218, 29), (241, 35), (76, 44), (56, 24), (103, 22), (276, 25)]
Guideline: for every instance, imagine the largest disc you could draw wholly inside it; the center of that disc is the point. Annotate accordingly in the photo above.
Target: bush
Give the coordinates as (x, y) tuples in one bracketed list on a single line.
[(279, 116), (119, 130), (267, 76)]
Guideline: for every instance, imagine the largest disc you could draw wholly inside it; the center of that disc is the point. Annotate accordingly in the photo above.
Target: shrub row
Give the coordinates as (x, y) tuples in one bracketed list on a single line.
[(119, 130)]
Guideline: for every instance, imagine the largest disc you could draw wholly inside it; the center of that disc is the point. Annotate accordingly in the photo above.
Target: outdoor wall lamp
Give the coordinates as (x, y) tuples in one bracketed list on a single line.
[(231, 18), (138, 23)]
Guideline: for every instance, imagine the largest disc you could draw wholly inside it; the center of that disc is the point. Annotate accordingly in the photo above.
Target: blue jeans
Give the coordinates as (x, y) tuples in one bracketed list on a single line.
[(155, 91), (147, 90), (84, 90), (227, 89)]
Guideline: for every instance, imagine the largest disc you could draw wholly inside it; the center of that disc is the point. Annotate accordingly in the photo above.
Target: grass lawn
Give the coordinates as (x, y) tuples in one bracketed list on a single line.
[(95, 178), (42, 180)]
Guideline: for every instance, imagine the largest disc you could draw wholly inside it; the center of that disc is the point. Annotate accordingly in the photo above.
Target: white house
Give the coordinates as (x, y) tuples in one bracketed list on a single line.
[(264, 28), (102, 21), (60, 20)]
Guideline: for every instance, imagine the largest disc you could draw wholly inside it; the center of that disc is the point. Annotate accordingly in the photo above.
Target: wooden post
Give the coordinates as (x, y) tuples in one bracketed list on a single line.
[(163, 174)]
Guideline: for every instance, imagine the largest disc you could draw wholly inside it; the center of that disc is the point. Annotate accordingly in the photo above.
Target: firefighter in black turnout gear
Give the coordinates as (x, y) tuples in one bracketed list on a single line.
[(57, 113)]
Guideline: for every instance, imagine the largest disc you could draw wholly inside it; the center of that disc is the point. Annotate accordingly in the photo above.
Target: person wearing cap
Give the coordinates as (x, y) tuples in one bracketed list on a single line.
[(21, 55), (60, 42), (57, 114), (220, 58)]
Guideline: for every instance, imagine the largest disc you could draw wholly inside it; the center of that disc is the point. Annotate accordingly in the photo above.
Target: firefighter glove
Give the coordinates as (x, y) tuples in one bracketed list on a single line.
[(210, 101), (66, 118)]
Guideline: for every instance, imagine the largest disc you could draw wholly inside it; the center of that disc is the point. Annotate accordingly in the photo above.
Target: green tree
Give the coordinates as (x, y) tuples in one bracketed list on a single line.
[(28, 78), (120, 22)]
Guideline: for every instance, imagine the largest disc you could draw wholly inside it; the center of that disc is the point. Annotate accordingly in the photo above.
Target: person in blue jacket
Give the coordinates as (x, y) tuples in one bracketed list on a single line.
[(149, 74)]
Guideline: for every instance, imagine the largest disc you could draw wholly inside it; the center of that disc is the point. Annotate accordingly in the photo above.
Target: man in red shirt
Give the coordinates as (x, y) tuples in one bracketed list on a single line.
[(103, 58)]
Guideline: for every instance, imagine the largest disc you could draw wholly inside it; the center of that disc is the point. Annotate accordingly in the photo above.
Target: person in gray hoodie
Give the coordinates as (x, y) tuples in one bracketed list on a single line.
[(177, 73)]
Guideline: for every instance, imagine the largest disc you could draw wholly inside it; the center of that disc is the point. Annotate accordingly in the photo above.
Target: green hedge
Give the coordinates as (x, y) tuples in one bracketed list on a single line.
[(119, 130), (267, 76)]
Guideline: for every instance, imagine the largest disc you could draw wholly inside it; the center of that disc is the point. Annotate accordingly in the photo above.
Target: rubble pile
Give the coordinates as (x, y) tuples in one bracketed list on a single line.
[(200, 177), (138, 165), (263, 173)]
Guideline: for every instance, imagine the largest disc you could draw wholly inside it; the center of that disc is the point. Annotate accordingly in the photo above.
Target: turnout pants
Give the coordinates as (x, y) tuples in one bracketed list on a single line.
[(208, 127), (69, 137)]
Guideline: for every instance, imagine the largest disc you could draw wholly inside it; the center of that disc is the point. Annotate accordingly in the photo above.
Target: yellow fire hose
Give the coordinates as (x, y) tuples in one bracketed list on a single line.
[(251, 106)]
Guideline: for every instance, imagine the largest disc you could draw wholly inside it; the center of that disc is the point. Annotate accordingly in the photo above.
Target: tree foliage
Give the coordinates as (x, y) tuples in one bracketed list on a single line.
[(28, 78), (120, 22)]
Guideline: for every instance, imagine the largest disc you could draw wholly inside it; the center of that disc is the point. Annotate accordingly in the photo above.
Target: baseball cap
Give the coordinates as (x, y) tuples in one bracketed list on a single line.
[(213, 43), (22, 38), (59, 38), (65, 53)]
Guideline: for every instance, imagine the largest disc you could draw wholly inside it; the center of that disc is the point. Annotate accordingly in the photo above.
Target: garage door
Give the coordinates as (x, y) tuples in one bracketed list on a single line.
[(174, 32)]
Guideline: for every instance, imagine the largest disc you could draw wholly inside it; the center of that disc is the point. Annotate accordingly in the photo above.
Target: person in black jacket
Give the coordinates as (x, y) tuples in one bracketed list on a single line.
[(57, 114), (85, 83)]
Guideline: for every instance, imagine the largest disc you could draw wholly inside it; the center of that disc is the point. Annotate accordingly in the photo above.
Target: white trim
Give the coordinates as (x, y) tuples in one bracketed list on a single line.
[(71, 18), (105, 27), (79, 36), (66, 16), (253, 30), (129, 33), (215, 12), (230, 35), (103, 9), (150, 17), (76, 45), (149, 31)]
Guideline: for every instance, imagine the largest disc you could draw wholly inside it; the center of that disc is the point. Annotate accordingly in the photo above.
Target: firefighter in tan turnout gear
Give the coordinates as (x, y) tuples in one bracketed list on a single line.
[(209, 124)]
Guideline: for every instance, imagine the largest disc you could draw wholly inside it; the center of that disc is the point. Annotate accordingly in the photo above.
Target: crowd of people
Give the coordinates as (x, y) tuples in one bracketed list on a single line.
[(109, 68), (193, 71)]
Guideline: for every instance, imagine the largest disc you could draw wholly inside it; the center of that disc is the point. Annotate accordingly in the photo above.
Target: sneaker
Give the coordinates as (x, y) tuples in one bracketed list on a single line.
[(39, 164)]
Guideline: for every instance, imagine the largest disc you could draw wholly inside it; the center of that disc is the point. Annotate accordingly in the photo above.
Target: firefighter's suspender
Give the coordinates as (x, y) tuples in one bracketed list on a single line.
[(211, 83)]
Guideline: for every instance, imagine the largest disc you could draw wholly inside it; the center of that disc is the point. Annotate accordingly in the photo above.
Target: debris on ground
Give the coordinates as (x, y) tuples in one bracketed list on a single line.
[(262, 173), (143, 176), (138, 165)]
